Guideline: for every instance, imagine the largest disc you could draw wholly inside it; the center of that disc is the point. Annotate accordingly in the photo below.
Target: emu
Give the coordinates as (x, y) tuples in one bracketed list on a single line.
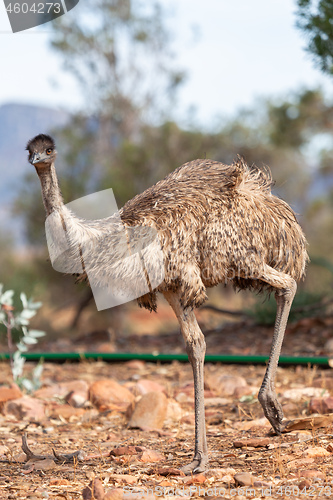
[(216, 223)]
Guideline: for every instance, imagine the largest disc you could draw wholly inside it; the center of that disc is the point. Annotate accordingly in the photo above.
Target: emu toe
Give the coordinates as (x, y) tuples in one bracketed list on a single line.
[(272, 409), (199, 464)]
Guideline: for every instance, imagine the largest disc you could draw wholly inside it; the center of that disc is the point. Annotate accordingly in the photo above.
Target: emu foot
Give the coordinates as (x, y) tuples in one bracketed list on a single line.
[(199, 464), (272, 409)]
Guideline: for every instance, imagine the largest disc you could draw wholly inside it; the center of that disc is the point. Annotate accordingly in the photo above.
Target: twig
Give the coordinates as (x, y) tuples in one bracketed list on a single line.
[(225, 311), (9, 325), (76, 456)]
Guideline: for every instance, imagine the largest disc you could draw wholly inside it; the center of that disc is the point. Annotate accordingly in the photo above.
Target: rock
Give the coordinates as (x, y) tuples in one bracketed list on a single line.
[(308, 423), (255, 442), (188, 419), (151, 456), (290, 409), (245, 426), (94, 491), (136, 364), (211, 402), (196, 479), (304, 392), (315, 451), (299, 462), (59, 482), (25, 408), (321, 405), (182, 397), (124, 478), (9, 393), (227, 479), (105, 347), (63, 390), (328, 347), (174, 410), (220, 473), (150, 411), (126, 450), (105, 392), (226, 385), (167, 471), (66, 412), (312, 474), (45, 464), (244, 479), (144, 386), (304, 484), (325, 381), (76, 399), (114, 494)]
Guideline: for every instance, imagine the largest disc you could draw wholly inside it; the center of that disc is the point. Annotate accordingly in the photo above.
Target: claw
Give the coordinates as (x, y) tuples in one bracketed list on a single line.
[(199, 464)]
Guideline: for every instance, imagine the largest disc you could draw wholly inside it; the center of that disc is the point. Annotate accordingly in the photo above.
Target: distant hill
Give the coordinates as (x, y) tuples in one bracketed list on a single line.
[(18, 124)]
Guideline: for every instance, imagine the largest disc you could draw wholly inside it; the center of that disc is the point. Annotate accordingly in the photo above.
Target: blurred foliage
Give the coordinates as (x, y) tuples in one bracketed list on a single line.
[(314, 18), (126, 138), (306, 303), (264, 312), (121, 52)]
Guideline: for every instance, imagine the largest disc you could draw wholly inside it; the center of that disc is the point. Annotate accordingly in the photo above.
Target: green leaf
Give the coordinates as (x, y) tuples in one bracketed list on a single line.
[(18, 364), (7, 298), (27, 384), (29, 340), (24, 300), (21, 347), (34, 305), (27, 313), (21, 321), (36, 333), (37, 373)]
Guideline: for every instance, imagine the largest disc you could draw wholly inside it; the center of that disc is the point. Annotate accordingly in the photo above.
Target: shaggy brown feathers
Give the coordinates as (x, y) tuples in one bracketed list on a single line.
[(218, 224)]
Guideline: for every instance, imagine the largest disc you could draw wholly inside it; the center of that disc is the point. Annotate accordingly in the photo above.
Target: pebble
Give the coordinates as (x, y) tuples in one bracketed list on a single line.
[(108, 391), (243, 479), (124, 478), (150, 411), (114, 494), (151, 456), (254, 443), (174, 410), (94, 491), (316, 451), (66, 412), (25, 408), (321, 405), (312, 473), (144, 386), (8, 393), (196, 479), (63, 389), (304, 392), (227, 385)]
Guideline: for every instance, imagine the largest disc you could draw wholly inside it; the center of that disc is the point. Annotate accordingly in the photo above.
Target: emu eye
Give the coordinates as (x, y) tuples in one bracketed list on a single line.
[(49, 151)]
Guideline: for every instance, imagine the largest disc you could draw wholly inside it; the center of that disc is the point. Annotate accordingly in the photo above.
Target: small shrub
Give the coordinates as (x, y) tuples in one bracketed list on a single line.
[(20, 321)]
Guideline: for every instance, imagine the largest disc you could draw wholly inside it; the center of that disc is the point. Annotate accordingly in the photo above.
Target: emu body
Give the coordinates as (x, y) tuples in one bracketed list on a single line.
[(216, 224)]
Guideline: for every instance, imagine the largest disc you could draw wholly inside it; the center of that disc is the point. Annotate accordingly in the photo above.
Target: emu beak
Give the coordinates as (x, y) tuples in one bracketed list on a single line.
[(35, 158)]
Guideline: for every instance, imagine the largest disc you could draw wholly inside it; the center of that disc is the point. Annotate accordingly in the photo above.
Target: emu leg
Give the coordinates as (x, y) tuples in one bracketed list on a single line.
[(284, 297), (195, 348)]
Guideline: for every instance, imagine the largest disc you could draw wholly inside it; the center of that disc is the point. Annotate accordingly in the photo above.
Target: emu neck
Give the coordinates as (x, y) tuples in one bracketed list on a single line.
[(52, 198)]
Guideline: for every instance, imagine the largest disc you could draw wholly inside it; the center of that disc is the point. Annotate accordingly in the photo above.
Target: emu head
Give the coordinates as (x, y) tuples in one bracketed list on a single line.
[(41, 149)]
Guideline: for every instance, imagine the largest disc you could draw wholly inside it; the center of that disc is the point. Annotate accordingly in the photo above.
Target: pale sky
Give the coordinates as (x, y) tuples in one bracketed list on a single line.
[(246, 49)]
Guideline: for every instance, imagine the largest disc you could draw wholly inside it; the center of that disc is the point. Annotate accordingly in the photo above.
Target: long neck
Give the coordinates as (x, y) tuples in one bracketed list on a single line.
[(52, 197)]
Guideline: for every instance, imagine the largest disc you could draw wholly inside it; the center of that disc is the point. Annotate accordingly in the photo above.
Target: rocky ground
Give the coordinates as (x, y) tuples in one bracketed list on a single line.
[(123, 431)]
